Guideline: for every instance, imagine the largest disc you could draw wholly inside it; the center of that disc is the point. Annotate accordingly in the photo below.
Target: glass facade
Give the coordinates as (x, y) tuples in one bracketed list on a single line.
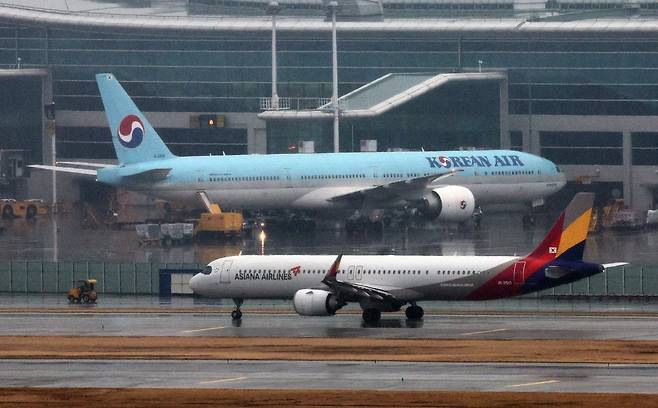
[(20, 116), (96, 142), (582, 147), (230, 72), (645, 148)]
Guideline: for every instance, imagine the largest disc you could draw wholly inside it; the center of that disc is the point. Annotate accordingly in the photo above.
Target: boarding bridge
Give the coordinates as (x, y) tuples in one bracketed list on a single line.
[(393, 90)]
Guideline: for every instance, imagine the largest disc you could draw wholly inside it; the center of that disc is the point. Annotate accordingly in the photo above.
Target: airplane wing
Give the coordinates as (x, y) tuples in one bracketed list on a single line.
[(395, 188), (349, 291), (74, 170)]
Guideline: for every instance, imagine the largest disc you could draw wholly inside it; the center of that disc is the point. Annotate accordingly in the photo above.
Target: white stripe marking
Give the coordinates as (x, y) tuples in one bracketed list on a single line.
[(206, 329), (483, 332), (533, 383), (223, 380)]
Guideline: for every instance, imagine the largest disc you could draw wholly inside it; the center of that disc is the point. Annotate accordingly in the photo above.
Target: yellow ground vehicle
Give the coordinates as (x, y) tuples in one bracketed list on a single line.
[(217, 222), (10, 208), (85, 292)]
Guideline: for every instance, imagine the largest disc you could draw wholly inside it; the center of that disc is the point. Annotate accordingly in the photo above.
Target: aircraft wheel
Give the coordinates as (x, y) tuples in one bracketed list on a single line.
[(236, 315), (85, 298), (414, 312), (31, 212), (371, 315)]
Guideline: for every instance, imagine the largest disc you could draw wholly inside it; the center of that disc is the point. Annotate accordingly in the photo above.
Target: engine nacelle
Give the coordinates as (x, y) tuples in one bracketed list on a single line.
[(315, 302), (449, 203)]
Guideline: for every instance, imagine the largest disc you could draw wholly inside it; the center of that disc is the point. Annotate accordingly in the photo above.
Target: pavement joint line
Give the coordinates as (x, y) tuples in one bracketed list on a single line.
[(223, 380), (533, 383), (484, 332), (205, 329)]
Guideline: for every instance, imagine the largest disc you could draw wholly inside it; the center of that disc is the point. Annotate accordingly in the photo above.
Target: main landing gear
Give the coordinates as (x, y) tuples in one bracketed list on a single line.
[(414, 312), (237, 313), (371, 315)]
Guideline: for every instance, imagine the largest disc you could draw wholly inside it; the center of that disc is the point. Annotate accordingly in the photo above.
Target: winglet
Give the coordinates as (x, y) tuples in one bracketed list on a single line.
[(333, 271)]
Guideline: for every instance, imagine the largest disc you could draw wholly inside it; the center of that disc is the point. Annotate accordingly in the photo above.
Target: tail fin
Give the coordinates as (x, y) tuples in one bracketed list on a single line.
[(133, 137), (566, 240)]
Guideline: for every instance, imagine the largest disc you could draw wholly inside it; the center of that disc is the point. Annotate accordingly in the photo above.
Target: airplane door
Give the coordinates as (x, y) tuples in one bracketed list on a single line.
[(287, 182), (350, 273), (359, 272), (519, 272), (225, 272), (200, 176), (375, 172)]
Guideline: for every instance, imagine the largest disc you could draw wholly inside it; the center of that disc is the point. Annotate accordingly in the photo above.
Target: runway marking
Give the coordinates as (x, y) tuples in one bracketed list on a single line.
[(533, 383), (483, 332), (206, 329), (223, 380)]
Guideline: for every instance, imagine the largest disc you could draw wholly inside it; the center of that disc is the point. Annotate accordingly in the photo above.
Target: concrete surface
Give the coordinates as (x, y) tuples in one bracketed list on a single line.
[(330, 375)]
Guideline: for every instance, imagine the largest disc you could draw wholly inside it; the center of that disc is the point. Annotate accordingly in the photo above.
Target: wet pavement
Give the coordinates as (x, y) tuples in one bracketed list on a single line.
[(500, 234), (382, 375), (465, 326)]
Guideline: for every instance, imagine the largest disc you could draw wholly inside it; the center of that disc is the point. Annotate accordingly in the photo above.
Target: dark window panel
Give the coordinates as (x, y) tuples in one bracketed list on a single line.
[(645, 139), (580, 139), (602, 156), (645, 157)]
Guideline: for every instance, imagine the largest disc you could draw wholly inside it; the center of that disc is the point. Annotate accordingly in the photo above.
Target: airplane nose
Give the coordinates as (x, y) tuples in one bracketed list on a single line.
[(195, 283), (561, 180)]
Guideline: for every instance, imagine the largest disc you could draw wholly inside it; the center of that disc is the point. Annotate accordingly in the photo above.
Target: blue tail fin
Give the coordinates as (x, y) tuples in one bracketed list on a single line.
[(133, 137)]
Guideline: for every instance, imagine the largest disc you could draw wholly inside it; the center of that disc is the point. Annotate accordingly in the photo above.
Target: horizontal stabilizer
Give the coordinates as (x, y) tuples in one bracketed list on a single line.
[(74, 170), (87, 164), (614, 265)]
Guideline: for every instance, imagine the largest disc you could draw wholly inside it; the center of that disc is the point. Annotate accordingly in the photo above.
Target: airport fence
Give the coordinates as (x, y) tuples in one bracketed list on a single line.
[(59, 277), (144, 278)]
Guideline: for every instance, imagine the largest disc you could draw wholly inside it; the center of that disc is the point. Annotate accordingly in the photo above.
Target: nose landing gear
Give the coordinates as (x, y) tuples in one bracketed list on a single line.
[(237, 313)]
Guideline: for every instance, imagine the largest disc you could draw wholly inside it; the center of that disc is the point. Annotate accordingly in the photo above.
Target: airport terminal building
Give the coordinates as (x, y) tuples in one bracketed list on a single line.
[(574, 82)]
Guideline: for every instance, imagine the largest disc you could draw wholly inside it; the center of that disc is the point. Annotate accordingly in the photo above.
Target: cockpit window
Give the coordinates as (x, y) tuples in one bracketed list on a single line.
[(207, 270), (557, 168)]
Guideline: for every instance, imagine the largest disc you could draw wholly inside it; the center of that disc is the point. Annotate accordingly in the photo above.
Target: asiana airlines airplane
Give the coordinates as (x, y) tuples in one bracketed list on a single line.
[(320, 285), (441, 184)]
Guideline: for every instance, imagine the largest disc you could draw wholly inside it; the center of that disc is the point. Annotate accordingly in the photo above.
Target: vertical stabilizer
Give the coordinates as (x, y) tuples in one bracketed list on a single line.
[(133, 137), (566, 240)]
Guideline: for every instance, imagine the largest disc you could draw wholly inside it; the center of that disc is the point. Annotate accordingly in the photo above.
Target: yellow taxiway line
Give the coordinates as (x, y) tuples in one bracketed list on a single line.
[(533, 383)]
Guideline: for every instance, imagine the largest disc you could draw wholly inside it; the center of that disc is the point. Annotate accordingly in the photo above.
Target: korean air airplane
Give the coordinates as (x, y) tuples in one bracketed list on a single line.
[(442, 184), (322, 284)]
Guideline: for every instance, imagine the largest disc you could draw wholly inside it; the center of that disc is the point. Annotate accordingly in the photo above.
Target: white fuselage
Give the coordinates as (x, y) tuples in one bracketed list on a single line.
[(409, 278)]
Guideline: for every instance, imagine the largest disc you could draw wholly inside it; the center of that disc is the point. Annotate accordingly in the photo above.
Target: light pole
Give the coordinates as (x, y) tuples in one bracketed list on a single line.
[(273, 9), (333, 7)]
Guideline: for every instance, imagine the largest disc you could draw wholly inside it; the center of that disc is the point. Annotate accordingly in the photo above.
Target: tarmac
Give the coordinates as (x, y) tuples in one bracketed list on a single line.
[(455, 326), (616, 378)]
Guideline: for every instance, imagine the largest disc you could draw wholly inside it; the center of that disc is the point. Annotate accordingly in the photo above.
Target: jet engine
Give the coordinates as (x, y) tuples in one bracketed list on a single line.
[(315, 302), (449, 203)]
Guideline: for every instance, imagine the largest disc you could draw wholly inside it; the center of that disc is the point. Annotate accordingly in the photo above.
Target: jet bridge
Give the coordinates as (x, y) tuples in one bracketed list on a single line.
[(394, 90)]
